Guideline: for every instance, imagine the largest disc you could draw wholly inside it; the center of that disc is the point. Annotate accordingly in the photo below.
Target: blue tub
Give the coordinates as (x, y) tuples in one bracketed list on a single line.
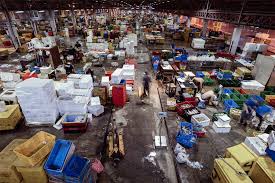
[(59, 156), (77, 169)]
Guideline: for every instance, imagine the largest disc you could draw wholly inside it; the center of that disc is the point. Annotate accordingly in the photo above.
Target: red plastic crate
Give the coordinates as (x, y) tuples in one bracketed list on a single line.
[(109, 73), (75, 129), (180, 109), (119, 95)]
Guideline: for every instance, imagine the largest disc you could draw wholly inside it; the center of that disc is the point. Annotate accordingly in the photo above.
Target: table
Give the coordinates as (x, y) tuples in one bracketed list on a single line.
[(167, 72), (186, 85)]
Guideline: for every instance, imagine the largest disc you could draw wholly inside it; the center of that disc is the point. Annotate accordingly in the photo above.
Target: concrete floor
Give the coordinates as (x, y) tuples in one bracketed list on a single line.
[(140, 124)]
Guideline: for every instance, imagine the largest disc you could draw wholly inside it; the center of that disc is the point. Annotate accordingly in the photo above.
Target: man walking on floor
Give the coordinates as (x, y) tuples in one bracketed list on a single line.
[(146, 84)]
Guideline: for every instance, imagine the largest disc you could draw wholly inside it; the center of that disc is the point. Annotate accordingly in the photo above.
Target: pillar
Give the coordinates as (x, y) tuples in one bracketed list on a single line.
[(34, 27), (235, 39), (52, 21), (74, 19), (12, 31), (188, 24), (86, 18), (204, 28)]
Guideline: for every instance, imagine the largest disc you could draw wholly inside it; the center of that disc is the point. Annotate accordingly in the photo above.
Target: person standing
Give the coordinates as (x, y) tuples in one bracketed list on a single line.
[(146, 84)]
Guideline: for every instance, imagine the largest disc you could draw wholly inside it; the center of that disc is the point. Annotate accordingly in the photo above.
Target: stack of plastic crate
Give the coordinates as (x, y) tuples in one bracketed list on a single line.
[(228, 104), (58, 159)]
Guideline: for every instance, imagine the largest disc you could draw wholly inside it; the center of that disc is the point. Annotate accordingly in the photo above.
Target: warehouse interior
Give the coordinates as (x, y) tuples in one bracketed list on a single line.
[(130, 91)]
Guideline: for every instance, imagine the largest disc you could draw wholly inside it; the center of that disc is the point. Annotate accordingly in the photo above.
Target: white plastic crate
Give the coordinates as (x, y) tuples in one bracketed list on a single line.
[(256, 145), (221, 127), (200, 119), (271, 141)]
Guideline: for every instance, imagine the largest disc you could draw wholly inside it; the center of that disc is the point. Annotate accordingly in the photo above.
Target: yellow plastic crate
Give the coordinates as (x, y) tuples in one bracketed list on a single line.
[(269, 97), (223, 173), (243, 155), (8, 172), (263, 171), (171, 104), (10, 118), (32, 174), (36, 148), (242, 71)]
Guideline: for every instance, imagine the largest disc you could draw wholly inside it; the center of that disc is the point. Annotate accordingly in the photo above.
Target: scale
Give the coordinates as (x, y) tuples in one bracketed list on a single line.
[(159, 140)]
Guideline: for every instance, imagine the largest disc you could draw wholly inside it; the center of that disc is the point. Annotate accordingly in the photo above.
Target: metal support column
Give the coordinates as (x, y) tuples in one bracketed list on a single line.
[(74, 19), (235, 40), (52, 21), (12, 31), (205, 27)]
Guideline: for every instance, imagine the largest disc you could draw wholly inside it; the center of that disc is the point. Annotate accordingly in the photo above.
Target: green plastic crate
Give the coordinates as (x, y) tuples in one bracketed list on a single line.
[(208, 81)]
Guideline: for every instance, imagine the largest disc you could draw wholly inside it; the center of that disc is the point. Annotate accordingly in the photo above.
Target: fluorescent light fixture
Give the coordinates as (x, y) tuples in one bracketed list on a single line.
[(41, 11), (19, 12), (56, 10)]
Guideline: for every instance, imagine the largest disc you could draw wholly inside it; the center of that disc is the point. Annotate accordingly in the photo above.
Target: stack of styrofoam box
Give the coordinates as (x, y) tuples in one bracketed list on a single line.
[(95, 108), (198, 43), (261, 47), (62, 88), (86, 82), (222, 125), (9, 80), (75, 78), (77, 104), (37, 99), (200, 119), (133, 37), (82, 81), (128, 72), (130, 49), (256, 145), (105, 81), (250, 47), (117, 76), (271, 141)]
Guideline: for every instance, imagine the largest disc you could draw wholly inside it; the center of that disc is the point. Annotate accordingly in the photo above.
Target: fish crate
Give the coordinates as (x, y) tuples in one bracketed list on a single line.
[(200, 119), (228, 104), (262, 170), (188, 113), (75, 123), (185, 135), (58, 158), (10, 118), (32, 174), (8, 172), (208, 82), (36, 148), (77, 169), (243, 155)]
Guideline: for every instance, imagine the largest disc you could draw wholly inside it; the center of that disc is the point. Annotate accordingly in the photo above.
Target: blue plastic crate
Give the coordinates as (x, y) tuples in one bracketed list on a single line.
[(155, 58), (228, 104), (199, 74), (224, 76), (61, 152), (186, 140), (227, 91), (255, 100), (262, 110), (77, 169), (270, 153)]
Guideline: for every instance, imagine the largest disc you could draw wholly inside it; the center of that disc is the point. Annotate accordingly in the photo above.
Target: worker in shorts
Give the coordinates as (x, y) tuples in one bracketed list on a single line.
[(211, 97), (199, 83)]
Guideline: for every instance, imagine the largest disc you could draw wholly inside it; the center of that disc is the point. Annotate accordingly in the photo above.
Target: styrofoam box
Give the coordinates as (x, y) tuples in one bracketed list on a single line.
[(221, 127), (128, 68), (8, 95), (117, 76), (205, 122), (224, 119), (271, 141), (7, 76), (96, 111), (45, 70), (256, 145), (86, 82), (95, 101), (105, 81)]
